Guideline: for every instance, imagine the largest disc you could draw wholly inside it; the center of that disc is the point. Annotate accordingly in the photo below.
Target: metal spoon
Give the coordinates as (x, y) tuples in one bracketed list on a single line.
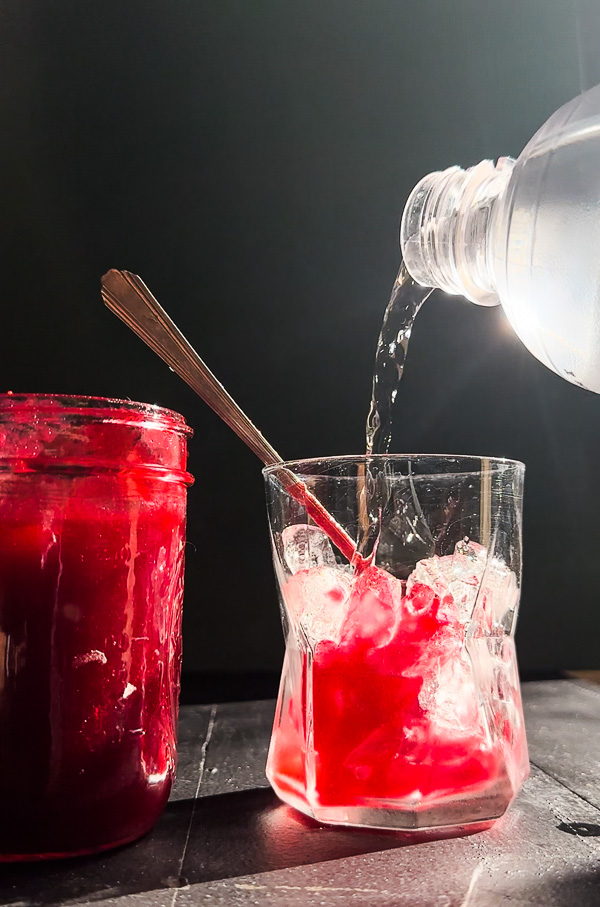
[(129, 298)]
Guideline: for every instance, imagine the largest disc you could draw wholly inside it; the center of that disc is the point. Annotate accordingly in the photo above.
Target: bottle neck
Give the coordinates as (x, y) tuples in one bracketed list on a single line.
[(446, 230)]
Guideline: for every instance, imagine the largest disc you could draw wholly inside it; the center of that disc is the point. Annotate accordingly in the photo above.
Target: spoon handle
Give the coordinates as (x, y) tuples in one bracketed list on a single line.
[(129, 298)]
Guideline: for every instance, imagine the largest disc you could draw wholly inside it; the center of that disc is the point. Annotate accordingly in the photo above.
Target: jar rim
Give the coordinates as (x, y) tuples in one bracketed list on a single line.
[(98, 408)]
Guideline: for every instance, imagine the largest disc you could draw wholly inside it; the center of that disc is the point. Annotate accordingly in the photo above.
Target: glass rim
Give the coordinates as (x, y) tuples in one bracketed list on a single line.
[(100, 408), (299, 465)]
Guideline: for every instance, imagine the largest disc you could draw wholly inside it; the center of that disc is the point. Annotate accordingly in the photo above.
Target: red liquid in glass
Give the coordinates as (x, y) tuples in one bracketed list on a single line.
[(385, 710), (91, 574)]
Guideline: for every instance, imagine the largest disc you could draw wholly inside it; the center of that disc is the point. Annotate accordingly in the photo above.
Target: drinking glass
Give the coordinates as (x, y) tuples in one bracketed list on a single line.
[(399, 705)]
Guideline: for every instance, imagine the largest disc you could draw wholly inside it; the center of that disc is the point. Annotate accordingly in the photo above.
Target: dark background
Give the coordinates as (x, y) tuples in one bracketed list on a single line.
[(250, 160)]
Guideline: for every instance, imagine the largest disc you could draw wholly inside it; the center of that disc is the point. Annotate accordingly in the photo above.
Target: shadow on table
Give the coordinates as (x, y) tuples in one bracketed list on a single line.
[(231, 834), (252, 832), (243, 834)]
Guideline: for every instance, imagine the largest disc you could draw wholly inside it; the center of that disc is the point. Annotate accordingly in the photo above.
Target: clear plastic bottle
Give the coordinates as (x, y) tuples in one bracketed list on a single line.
[(526, 234)]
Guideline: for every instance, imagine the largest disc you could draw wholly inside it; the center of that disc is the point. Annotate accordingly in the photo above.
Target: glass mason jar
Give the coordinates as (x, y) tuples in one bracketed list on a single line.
[(399, 704), (92, 532)]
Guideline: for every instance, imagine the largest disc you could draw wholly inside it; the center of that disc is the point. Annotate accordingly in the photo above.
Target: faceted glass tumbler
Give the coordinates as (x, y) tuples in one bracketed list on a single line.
[(399, 704)]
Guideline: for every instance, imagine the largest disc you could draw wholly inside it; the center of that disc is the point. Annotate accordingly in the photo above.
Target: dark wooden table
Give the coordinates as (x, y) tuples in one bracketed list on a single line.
[(224, 839)]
